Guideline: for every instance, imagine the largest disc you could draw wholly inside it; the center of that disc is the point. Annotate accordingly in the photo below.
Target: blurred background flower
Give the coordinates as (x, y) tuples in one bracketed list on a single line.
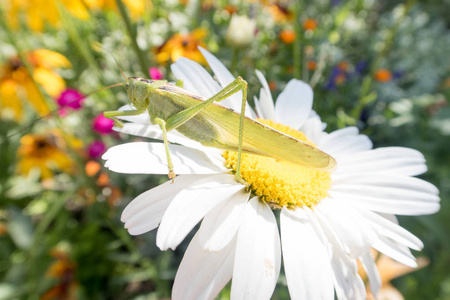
[(183, 45), (48, 153), (18, 86)]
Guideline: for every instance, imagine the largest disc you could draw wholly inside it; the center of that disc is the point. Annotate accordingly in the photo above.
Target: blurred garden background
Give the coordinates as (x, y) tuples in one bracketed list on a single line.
[(382, 66)]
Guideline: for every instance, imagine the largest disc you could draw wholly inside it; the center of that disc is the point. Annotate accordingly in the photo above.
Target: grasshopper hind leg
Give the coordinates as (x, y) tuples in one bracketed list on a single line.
[(162, 124)]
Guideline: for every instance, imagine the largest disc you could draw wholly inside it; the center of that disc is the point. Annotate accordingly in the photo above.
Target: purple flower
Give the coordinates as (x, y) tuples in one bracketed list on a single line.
[(155, 73), (96, 149), (397, 74), (70, 98), (102, 124), (361, 66)]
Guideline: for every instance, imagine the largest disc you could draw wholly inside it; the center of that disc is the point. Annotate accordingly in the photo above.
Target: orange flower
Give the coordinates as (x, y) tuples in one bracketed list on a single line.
[(312, 65), (340, 78), (183, 45), (280, 13), (63, 270), (92, 167), (383, 75), (45, 152), (388, 270), (3, 228), (231, 9), (16, 82), (343, 66), (287, 36), (310, 24), (272, 85)]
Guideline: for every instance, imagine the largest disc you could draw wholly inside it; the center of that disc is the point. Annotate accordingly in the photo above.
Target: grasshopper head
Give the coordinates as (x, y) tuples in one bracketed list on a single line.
[(139, 90)]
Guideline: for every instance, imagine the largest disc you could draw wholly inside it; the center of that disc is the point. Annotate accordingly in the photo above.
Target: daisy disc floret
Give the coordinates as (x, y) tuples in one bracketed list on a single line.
[(328, 221)]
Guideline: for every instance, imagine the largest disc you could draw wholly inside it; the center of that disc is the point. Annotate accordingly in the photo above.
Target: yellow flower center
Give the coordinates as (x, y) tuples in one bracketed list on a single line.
[(280, 183)]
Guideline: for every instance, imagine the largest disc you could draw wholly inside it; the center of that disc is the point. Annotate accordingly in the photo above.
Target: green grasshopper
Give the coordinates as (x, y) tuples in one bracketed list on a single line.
[(213, 125)]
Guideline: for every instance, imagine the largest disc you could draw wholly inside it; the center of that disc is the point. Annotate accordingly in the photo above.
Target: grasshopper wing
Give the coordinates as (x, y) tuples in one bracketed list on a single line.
[(218, 126)]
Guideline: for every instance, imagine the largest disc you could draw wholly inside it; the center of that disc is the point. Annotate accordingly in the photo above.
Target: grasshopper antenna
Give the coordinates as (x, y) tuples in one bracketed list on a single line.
[(123, 74), (98, 47), (29, 126)]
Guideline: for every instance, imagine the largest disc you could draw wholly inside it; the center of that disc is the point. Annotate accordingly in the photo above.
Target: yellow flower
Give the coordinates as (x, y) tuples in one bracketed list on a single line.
[(39, 12), (46, 152), (136, 8), (183, 45), (17, 84)]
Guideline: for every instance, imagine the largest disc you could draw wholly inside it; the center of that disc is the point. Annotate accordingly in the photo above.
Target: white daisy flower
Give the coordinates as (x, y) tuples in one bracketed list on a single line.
[(328, 220)]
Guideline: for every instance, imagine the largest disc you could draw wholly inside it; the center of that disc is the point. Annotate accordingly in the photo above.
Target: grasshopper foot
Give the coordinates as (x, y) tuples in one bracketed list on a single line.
[(118, 123), (242, 181), (172, 175)]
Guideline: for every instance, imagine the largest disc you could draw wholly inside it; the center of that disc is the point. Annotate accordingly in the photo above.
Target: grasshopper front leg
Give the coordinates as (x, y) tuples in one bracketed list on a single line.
[(183, 116), (121, 113)]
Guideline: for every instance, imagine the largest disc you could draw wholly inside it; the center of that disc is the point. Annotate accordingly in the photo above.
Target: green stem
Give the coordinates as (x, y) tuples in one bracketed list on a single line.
[(132, 33), (382, 54), (80, 45), (234, 59), (298, 42)]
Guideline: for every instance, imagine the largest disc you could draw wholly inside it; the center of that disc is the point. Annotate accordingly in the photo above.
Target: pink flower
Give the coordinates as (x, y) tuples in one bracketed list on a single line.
[(155, 73), (96, 149), (103, 125), (70, 98)]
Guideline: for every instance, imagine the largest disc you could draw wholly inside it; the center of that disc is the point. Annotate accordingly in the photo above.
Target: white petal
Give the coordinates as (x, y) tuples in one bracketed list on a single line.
[(202, 274), (145, 212), (391, 230), (294, 104), (195, 78), (258, 254), (347, 283), (395, 160), (398, 252), (264, 106), (191, 205), (350, 227), (395, 194), (306, 261), (369, 265), (312, 128), (221, 224), (155, 132), (150, 158), (345, 142)]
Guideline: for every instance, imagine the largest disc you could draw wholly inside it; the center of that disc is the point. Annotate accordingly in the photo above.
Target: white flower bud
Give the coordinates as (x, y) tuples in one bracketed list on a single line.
[(241, 31)]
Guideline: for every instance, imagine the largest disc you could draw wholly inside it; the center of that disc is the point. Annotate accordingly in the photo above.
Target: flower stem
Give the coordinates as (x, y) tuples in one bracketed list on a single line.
[(234, 59), (297, 42), (82, 48), (132, 33), (365, 94)]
